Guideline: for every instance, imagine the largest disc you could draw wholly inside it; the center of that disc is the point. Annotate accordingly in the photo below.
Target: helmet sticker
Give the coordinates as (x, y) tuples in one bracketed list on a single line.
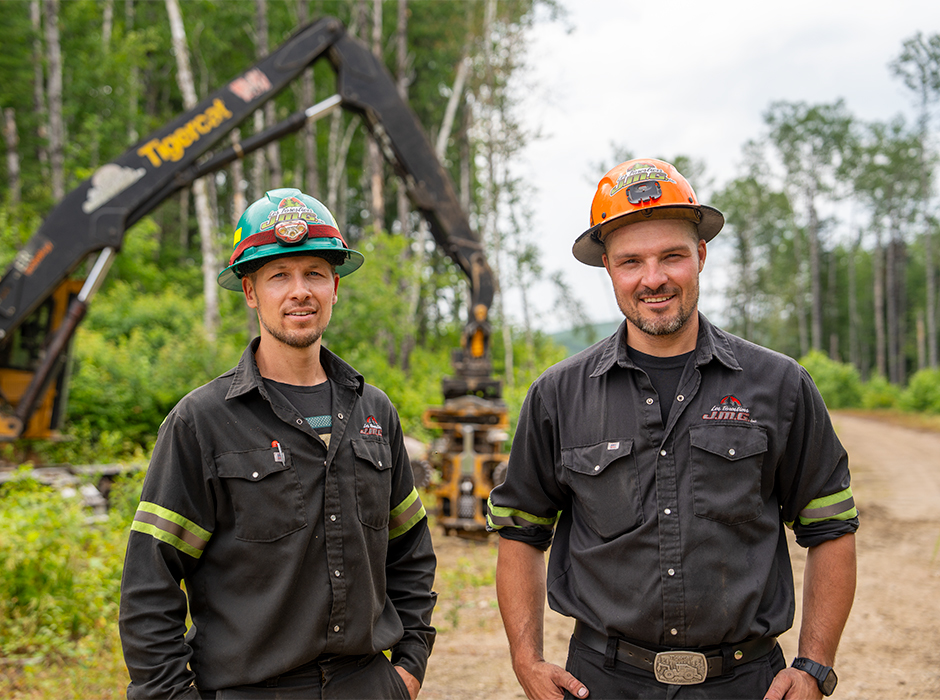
[(641, 172), (291, 209)]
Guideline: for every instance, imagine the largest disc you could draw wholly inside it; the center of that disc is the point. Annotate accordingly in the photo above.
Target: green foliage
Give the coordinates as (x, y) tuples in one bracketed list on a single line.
[(922, 393), (59, 576), (878, 392), (838, 383)]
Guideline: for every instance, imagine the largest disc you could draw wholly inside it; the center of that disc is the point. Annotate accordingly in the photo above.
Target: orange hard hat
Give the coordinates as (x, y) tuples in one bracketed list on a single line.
[(640, 190)]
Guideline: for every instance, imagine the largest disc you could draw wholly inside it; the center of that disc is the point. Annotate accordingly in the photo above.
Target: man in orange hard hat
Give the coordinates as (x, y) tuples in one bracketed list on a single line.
[(662, 465)]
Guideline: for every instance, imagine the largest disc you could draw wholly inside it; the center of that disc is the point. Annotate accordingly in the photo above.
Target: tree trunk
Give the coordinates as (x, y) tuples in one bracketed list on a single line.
[(39, 88), (854, 318), (878, 279), (308, 97), (815, 278), (133, 90), (203, 208), (54, 91), (273, 149), (800, 296), (258, 161), (107, 24), (13, 157), (376, 165), (239, 203)]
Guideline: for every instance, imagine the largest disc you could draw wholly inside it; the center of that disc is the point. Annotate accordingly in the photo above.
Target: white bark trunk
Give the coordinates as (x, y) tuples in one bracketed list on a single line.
[(54, 91), (203, 209), (13, 157)]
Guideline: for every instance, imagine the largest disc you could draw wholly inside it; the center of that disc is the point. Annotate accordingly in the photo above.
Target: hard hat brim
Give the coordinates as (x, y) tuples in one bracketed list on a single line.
[(229, 279), (589, 246)]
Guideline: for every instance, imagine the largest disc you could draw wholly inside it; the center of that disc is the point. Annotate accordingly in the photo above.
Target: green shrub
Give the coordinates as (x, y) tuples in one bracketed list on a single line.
[(923, 392), (878, 392), (838, 383), (59, 574)]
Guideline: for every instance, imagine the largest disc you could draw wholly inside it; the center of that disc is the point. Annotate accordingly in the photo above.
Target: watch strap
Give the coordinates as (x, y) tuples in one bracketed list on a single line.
[(825, 677)]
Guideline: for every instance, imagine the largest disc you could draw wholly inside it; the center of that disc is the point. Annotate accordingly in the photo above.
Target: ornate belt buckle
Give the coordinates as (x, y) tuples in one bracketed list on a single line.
[(680, 667)]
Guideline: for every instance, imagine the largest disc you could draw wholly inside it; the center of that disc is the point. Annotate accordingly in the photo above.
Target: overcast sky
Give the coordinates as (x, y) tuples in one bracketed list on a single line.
[(692, 78)]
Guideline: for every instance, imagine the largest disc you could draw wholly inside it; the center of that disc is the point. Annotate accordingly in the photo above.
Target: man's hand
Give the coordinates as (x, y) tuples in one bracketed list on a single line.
[(545, 681), (410, 681), (793, 684)]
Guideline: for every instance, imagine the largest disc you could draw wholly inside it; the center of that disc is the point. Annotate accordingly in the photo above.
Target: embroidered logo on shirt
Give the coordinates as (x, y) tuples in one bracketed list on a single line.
[(371, 427), (729, 408)]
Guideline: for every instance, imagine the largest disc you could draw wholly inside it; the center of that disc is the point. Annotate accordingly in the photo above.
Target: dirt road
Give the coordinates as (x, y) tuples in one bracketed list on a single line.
[(891, 646)]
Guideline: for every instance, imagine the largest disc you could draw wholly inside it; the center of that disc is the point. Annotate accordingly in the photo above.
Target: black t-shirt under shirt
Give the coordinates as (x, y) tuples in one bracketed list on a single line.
[(664, 373), (314, 403)]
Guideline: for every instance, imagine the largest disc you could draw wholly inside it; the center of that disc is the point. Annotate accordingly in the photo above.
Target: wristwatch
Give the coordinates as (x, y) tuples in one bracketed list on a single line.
[(825, 677)]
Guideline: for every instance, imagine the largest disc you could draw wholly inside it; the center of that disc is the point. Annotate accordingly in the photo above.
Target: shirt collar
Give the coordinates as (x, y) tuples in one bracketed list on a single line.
[(712, 343), (246, 375)]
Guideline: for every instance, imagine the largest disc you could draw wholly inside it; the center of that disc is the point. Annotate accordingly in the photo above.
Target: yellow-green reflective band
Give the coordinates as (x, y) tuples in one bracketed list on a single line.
[(405, 515), (499, 517), (172, 528), (838, 506)]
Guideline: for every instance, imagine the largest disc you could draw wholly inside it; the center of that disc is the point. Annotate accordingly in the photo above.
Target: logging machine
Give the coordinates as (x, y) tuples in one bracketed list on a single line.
[(41, 302)]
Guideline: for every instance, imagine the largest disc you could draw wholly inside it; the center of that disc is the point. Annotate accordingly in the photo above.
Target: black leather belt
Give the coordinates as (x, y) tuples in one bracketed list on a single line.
[(678, 666)]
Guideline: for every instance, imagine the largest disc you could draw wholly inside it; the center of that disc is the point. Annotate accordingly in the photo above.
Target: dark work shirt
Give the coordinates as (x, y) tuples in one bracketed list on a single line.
[(664, 373), (288, 549), (673, 533)]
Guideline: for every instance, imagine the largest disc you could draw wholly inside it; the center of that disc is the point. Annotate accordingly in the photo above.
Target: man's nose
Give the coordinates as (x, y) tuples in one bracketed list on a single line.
[(654, 276), (299, 287)]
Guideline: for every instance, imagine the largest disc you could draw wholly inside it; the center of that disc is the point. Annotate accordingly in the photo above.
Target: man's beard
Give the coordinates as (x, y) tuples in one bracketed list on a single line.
[(660, 325), (295, 339)]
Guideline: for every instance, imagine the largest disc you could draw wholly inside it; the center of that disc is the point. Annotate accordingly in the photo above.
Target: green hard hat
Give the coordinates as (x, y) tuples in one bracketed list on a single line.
[(286, 222)]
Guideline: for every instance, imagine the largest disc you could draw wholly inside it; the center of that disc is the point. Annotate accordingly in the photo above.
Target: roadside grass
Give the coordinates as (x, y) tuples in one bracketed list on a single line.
[(914, 421)]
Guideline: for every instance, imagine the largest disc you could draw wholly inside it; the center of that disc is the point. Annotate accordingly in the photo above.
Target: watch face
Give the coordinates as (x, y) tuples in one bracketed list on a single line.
[(829, 685)]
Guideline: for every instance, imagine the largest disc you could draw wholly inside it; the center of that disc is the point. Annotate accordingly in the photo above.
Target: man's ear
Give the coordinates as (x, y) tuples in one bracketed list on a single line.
[(249, 289), (702, 250), (335, 287)]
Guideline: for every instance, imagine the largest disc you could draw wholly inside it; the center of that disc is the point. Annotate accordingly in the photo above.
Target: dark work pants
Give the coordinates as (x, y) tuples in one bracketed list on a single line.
[(749, 681), (369, 677)]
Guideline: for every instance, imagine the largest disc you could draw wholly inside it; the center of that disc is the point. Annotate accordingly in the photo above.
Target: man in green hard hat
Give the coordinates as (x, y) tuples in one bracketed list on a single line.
[(282, 495)]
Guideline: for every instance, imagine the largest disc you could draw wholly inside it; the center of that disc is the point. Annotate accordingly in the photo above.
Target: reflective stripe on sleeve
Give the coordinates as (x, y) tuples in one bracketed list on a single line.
[(838, 506), (172, 528), (405, 515), (499, 517)]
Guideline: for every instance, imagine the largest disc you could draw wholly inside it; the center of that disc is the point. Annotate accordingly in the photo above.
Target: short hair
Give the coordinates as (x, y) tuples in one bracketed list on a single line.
[(334, 258)]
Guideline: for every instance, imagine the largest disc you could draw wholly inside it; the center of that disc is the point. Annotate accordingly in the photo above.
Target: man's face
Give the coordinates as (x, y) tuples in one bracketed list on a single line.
[(654, 267), (294, 297)]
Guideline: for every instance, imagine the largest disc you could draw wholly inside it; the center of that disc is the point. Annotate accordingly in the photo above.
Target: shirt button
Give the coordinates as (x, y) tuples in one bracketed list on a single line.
[(597, 467), (668, 511), (336, 573), (255, 475), (671, 572), (673, 631), (333, 518), (380, 462), (336, 629), (300, 421), (738, 655), (731, 452), (340, 416), (680, 397), (662, 453), (649, 401)]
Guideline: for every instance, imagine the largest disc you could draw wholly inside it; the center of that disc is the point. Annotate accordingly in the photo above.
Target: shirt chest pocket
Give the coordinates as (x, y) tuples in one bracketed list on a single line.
[(373, 482), (727, 467), (604, 485), (266, 494)]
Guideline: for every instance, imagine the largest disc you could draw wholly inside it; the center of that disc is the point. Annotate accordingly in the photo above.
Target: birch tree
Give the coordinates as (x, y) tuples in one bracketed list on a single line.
[(203, 208), (54, 98)]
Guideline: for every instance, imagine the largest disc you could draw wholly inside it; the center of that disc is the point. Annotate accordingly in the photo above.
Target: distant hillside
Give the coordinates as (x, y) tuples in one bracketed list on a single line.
[(577, 341)]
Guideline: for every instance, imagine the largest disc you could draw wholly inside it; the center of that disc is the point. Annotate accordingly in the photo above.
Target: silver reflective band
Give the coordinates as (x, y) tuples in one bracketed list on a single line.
[(680, 667)]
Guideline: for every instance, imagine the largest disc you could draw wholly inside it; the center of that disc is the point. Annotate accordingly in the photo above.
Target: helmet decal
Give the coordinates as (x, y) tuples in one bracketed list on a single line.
[(291, 209), (641, 172)]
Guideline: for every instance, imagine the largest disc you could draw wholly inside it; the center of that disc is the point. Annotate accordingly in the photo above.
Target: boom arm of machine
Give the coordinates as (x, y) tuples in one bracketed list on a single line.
[(36, 327)]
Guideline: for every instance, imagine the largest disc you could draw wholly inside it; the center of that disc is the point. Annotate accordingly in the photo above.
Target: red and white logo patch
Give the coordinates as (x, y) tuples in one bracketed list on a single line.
[(371, 427), (729, 408)]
